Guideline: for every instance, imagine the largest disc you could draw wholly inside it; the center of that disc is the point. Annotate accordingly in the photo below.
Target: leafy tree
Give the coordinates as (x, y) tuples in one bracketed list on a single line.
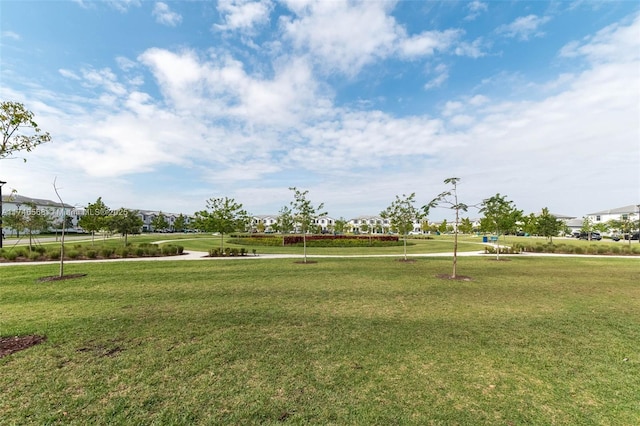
[(223, 215), (304, 214), (125, 222), (180, 223), (442, 228), (160, 222), (587, 227), (465, 226), (260, 227), (16, 220), (19, 131), (530, 224), (449, 199), (340, 225), (94, 218), (35, 220), (548, 225), (401, 213), (626, 225), (500, 217)]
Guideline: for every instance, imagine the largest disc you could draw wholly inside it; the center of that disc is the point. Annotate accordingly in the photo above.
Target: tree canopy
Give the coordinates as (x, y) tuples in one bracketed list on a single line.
[(401, 214), (19, 131), (304, 214), (500, 216), (223, 215)]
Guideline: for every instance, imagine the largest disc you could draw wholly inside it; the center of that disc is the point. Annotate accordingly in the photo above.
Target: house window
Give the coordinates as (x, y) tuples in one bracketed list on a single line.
[(598, 218), (625, 217)]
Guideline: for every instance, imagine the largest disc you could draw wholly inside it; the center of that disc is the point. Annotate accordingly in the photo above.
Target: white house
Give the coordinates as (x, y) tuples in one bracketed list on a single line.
[(630, 212), (53, 209)]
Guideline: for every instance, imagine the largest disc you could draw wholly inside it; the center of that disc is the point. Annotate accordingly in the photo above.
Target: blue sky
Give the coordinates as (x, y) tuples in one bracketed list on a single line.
[(162, 105)]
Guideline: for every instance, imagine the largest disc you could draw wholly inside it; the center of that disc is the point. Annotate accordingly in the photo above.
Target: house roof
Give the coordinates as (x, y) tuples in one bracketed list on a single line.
[(633, 208), (21, 199)]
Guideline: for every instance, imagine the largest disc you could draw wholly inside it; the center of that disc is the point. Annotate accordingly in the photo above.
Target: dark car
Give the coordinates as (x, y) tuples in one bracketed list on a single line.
[(634, 236), (590, 236)]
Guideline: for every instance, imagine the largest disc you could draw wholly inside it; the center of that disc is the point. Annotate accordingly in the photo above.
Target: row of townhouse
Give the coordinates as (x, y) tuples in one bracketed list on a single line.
[(55, 211)]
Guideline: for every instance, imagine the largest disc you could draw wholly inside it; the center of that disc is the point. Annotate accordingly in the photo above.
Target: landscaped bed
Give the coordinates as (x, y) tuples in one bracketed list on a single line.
[(84, 251)]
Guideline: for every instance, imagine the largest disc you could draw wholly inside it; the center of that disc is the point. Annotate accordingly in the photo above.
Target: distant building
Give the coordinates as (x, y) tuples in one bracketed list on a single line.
[(53, 209)]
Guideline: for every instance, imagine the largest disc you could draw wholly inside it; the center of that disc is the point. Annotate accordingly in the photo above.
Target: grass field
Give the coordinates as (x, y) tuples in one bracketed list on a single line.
[(342, 341)]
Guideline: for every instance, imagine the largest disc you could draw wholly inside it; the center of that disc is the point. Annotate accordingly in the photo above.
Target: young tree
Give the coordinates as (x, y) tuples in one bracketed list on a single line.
[(15, 220), (159, 223), (587, 227), (35, 219), (465, 226), (19, 131), (401, 213), (340, 225), (223, 215), (449, 199), (500, 217), (548, 225), (180, 223), (94, 218), (125, 222), (304, 214)]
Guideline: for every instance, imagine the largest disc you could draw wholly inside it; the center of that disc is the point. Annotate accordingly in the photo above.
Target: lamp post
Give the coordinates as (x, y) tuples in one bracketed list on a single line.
[(1, 231)]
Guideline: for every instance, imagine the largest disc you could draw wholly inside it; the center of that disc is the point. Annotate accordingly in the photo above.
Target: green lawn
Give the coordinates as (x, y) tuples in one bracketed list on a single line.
[(342, 341)]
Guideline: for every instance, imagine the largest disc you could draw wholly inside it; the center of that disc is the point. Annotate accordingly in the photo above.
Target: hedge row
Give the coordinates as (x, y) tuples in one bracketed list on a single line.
[(41, 253), (318, 240), (561, 248)]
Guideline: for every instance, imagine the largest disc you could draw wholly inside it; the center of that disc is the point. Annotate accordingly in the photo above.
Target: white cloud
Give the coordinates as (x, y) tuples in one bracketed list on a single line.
[(11, 35), (341, 36), (475, 8), (243, 14), (120, 5), (164, 15), (441, 72), (428, 42), (620, 42), (524, 27)]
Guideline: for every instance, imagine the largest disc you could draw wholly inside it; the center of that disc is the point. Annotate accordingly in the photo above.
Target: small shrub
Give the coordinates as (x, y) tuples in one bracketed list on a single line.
[(636, 250), (124, 252), (92, 254), (106, 252), (578, 250), (253, 251), (615, 250), (53, 254), (40, 250), (214, 252), (602, 250), (34, 256), (73, 254), (11, 255), (180, 249), (139, 252)]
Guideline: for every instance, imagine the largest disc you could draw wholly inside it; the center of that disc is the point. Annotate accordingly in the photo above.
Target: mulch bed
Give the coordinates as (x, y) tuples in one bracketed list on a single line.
[(60, 278), (457, 278), (9, 345)]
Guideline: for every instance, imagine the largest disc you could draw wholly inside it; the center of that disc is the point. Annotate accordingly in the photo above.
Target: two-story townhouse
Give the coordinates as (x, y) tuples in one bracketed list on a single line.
[(52, 209)]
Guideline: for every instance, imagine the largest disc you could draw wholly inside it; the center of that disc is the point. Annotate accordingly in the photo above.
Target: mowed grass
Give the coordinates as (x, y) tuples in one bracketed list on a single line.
[(341, 341)]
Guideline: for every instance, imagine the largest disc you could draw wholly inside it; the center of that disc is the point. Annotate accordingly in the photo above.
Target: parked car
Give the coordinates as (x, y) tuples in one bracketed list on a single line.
[(634, 236), (594, 236)]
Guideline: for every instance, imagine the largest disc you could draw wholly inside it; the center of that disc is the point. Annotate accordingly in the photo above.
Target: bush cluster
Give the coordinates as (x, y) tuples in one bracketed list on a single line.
[(229, 252), (319, 240), (570, 249), (87, 252)]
